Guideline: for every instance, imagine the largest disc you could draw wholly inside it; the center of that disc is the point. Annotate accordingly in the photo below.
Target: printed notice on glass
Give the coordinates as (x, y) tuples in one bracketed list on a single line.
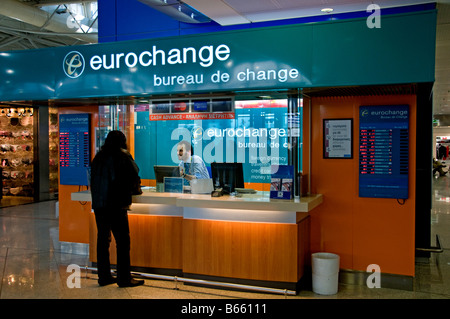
[(337, 138)]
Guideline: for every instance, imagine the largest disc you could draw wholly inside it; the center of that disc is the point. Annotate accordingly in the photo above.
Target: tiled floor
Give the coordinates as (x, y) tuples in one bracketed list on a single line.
[(15, 200), (34, 264)]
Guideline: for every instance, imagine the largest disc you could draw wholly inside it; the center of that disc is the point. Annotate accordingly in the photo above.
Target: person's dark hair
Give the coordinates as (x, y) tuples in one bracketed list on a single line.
[(187, 146), (115, 140)]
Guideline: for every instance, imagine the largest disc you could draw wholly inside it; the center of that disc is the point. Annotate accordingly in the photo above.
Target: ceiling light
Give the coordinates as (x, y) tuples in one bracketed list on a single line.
[(327, 10), (178, 10)]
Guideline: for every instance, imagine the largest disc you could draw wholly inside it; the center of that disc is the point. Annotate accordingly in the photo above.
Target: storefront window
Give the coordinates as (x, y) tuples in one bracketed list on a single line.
[(17, 154), (53, 151)]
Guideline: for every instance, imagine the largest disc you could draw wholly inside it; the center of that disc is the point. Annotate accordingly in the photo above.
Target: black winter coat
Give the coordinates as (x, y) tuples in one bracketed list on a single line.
[(114, 179)]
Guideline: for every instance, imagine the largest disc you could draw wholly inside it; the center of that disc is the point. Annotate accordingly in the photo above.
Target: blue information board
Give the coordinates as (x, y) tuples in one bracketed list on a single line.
[(383, 151), (74, 149)]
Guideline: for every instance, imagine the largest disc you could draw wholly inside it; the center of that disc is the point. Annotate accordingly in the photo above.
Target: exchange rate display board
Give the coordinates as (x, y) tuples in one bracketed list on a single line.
[(383, 151), (74, 149)]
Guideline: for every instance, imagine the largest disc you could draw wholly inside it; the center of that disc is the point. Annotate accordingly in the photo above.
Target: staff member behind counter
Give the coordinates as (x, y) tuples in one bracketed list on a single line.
[(191, 166)]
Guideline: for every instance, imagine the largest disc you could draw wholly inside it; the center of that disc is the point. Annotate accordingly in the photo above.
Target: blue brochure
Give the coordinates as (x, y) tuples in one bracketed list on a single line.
[(282, 178)]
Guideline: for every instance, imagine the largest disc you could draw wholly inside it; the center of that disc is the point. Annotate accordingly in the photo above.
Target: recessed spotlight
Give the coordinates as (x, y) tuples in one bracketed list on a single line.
[(327, 10)]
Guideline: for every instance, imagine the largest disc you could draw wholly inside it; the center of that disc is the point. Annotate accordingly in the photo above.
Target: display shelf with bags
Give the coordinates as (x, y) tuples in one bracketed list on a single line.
[(17, 151)]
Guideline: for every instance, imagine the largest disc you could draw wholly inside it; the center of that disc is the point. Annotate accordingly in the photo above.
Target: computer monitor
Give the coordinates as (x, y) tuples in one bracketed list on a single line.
[(227, 176), (162, 171)]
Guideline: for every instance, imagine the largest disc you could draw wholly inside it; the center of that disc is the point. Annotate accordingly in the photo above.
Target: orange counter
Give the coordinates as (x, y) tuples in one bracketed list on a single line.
[(252, 239)]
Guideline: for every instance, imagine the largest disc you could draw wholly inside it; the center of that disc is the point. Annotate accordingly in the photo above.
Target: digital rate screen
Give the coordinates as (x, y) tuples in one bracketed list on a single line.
[(74, 149), (383, 151)]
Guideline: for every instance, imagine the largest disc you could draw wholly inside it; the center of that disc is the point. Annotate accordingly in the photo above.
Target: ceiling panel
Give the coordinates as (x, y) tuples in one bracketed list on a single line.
[(220, 10)]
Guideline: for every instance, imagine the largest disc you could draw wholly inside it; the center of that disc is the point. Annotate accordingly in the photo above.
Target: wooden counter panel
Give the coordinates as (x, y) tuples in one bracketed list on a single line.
[(258, 251), (155, 241), (304, 252)]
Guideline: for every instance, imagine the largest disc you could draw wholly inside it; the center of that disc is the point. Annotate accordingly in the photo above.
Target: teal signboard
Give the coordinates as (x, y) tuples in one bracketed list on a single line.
[(308, 55)]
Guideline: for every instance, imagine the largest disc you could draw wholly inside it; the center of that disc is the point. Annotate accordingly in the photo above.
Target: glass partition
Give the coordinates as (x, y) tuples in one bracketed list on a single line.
[(256, 132), (112, 117)]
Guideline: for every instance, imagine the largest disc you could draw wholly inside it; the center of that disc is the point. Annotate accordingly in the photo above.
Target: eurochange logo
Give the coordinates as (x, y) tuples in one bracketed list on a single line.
[(73, 64)]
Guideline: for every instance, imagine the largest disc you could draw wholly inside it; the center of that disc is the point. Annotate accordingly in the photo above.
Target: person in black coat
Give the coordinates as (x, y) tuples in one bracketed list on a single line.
[(114, 179), (442, 151)]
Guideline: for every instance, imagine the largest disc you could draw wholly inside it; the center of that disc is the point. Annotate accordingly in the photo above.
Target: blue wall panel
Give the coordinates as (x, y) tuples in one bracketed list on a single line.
[(136, 20), (107, 30)]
